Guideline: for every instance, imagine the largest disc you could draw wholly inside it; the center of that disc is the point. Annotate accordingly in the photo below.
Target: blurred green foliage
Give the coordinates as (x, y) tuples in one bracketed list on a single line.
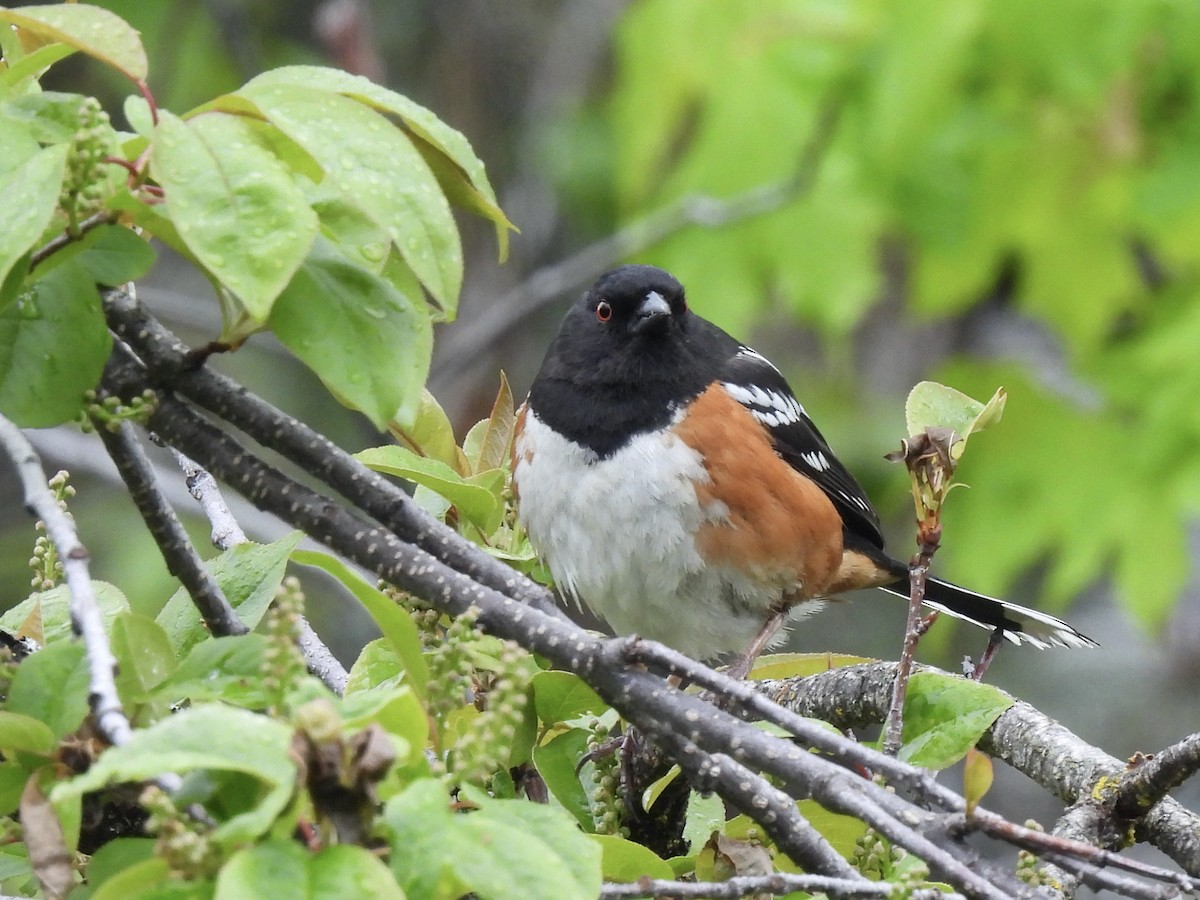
[(1055, 144), (1059, 143)]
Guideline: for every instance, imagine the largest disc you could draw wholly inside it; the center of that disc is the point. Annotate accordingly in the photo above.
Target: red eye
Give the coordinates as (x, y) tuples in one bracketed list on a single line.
[(603, 311)]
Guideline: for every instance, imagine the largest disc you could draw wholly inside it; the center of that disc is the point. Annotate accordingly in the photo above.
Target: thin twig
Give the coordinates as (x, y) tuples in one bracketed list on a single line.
[(40, 255), (1069, 853), (227, 533), (86, 619), (918, 572), (173, 543), (746, 885)]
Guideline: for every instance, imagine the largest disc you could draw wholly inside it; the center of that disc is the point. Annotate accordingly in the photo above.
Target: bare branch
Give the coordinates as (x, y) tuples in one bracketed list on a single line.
[(714, 748), (226, 533), (164, 355), (173, 543), (1066, 852), (1023, 737), (660, 711), (1149, 778), (747, 885), (793, 834), (85, 612)]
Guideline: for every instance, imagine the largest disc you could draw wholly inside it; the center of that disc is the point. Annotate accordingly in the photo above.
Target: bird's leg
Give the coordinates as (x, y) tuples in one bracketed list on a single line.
[(740, 667)]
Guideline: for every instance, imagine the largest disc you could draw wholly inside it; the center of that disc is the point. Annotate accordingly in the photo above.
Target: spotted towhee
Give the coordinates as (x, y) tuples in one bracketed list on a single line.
[(672, 482)]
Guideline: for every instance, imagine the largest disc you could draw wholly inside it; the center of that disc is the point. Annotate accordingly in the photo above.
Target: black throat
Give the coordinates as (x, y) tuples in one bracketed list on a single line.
[(604, 406), (604, 418)]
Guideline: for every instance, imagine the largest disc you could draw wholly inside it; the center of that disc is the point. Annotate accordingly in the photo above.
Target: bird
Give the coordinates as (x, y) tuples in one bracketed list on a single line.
[(670, 480)]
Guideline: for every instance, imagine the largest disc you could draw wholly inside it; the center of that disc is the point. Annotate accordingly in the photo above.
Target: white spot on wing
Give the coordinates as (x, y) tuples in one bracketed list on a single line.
[(857, 501), (816, 460), (750, 353), (740, 394), (770, 407)]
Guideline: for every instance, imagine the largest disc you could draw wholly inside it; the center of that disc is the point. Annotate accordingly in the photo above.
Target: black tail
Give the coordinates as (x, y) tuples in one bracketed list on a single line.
[(1021, 625)]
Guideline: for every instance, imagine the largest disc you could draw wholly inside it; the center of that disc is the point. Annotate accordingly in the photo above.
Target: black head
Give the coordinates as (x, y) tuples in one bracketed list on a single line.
[(635, 302), (627, 354)]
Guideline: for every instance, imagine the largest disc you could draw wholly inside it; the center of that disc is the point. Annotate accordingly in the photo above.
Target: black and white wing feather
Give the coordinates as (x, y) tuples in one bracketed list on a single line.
[(753, 381)]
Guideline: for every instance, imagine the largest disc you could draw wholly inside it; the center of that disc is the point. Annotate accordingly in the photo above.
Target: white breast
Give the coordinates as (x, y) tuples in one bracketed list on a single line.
[(617, 534)]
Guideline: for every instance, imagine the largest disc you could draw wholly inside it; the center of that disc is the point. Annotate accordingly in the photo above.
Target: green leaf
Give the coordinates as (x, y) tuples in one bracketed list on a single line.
[(797, 665), (30, 193), (395, 622), (247, 574), (354, 233), (944, 717), (977, 778), (504, 850), (110, 254), (416, 118), (53, 345), (478, 505), (487, 443), (655, 789), (625, 862), (144, 655), (369, 343), (841, 831), (377, 665), (376, 167), (54, 609), (228, 669), (139, 115), (54, 117), (52, 685), (704, 816), (395, 709), (31, 66), (17, 144), (431, 135), (115, 857), (14, 864), (209, 737), (461, 191), (24, 733), (282, 868), (13, 778), (139, 881), (933, 405), (114, 254), (568, 858), (429, 433), (556, 761), (97, 32), (235, 205), (561, 696)]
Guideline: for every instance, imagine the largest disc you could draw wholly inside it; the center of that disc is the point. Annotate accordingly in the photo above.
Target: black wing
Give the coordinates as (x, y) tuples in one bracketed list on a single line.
[(754, 382)]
